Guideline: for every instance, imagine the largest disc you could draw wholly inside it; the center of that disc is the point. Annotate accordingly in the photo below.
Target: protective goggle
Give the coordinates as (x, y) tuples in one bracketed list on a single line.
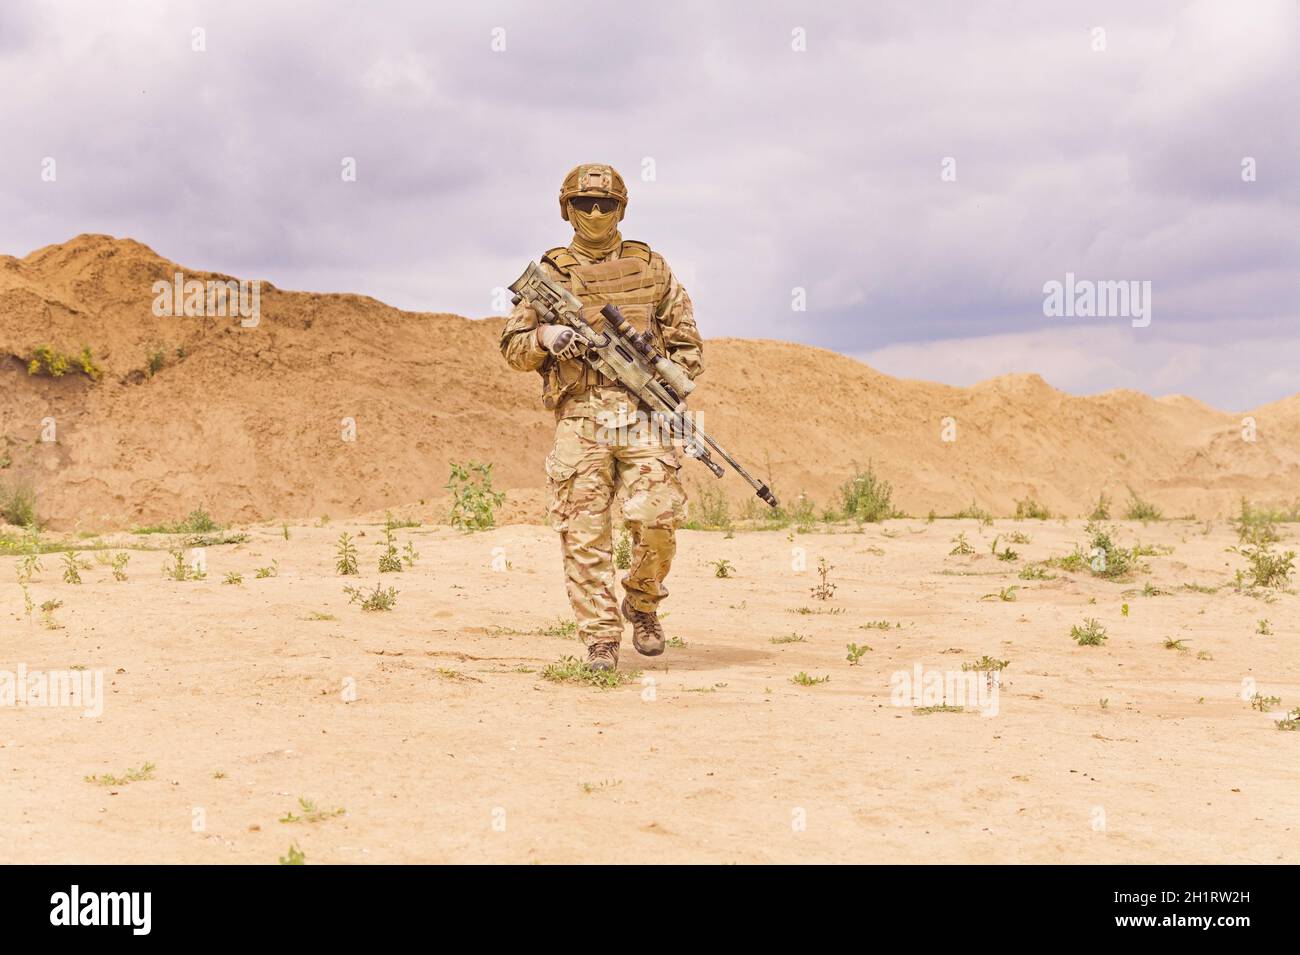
[(590, 204)]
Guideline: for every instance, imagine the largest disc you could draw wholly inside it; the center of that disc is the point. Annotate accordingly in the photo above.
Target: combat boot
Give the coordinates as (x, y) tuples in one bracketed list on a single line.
[(602, 656), (647, 634)]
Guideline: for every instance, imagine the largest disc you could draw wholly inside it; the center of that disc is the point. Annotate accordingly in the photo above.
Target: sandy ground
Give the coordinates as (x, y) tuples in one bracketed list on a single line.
[(456, 750)]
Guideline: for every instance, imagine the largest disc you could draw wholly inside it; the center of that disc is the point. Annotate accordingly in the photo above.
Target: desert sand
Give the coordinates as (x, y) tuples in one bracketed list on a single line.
[(451, 747), (430, 733)]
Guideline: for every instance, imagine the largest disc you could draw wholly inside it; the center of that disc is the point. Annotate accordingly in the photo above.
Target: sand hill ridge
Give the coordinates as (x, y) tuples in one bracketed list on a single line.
[(247, 422)]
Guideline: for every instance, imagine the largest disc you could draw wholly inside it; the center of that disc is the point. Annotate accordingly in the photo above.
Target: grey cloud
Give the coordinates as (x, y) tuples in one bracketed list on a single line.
[(774, 169)]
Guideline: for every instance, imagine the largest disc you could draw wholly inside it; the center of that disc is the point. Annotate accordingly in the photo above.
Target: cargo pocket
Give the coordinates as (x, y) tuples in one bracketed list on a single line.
[(673, 490), (655, 496), (671, 460), (562, 379), (559, 484)]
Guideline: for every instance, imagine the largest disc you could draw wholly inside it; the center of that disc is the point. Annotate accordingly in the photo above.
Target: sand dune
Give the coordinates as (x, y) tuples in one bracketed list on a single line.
[(247, 422)]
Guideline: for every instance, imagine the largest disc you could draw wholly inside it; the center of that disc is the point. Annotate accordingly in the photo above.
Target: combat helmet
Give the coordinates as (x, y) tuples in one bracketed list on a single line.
[(592, 179)]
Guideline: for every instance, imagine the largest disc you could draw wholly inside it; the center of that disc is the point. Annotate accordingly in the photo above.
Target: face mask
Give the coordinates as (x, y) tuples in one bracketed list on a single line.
[(594, 232)]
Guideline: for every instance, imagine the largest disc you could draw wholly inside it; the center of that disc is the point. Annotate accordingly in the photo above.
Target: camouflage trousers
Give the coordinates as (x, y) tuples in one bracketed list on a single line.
[(584, 471)]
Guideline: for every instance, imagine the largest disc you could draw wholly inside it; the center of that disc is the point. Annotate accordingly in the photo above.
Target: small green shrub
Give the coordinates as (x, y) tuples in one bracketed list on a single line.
[(986, 664), (803, 679), (294, 856), (346, 562), (86, 362), (18, 503), (390, 562), (974, 512), (379, 599), (198, 521), (1006, 554), (570, 669), (474, 502), (1105, 558), (804, 512), (791, 638), (623, 550), (867, 498), (141, 774), (72, 567), (47, 361), (1254, 526), (1091, 634), (1267, 568), (180, 569), (710, 511), (824, 590), (1140, 510), (1030, 509), (563, 628)]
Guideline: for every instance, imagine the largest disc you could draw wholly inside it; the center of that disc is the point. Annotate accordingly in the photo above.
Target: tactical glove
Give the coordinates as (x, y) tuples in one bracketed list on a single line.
[(559, 341)]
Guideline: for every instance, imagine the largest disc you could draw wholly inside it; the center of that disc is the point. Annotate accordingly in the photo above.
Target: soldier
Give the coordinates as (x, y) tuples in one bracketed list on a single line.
[(601, 443)]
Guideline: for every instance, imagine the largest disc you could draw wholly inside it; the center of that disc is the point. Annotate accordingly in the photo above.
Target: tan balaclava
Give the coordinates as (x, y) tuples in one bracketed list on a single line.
[(595, 232)]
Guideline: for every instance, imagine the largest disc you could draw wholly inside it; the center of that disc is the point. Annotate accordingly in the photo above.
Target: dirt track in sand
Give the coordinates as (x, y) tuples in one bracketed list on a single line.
[(456, 750)]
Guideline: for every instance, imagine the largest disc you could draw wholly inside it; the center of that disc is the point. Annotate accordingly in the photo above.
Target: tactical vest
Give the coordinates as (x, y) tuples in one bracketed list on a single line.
[(627, 282)]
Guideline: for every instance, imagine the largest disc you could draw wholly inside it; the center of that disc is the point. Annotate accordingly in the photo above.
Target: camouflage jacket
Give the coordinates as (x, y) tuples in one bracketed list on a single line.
[(640, 283)]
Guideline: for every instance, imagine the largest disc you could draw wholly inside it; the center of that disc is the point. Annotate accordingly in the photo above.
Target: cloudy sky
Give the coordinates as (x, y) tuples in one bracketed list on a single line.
[(767, 147)]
